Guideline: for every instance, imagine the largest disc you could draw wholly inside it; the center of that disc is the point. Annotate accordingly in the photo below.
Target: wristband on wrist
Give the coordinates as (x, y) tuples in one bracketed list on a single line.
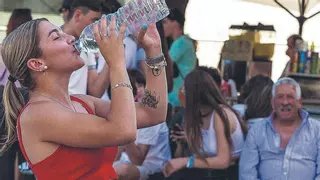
[(156, 68), (90, 67), (156, 64), (156, 60), (190, 163)]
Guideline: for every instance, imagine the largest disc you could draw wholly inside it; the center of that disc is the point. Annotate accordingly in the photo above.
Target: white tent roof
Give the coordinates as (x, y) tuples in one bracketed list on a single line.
[(290, 4), (301, 6)]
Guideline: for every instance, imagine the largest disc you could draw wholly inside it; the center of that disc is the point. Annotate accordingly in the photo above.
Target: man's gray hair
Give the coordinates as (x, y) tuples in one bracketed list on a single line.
[(287, 80)]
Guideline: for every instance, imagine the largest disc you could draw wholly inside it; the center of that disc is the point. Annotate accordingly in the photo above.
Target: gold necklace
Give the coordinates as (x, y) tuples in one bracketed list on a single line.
[(53, 99)]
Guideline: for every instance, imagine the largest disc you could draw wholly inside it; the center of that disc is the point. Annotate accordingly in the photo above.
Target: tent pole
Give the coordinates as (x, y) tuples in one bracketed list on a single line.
[(286, 9), (301, 19)]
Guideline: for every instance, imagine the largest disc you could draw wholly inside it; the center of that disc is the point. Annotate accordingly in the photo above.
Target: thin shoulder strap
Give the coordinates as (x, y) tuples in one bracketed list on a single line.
[(212, 121), (85, 105)]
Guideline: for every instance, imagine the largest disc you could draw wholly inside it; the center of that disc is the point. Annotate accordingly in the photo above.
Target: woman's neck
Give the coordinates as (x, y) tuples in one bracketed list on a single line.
[(206, 114), (177, 34), (54, 87)]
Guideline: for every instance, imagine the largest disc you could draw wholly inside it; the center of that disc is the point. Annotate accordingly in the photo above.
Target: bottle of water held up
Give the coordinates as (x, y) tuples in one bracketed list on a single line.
[(135, 14)]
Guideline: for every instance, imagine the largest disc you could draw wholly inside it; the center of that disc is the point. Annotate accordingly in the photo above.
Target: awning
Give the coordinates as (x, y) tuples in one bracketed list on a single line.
[(301, 6), (292, 5)]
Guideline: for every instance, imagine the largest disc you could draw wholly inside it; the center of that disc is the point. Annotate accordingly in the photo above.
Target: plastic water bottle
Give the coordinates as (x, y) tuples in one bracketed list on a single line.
[(135, 14)]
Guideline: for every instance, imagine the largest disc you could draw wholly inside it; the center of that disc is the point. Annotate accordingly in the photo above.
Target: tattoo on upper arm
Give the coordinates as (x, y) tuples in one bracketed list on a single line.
[(150, 99)]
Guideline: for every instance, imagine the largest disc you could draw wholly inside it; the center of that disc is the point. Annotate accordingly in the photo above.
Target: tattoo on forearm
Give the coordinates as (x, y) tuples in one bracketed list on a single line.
[(149, 99)]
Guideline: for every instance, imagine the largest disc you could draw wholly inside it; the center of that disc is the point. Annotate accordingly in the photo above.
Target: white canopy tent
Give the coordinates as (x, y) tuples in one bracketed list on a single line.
[(301, 6), (293, 5), (209, 23)]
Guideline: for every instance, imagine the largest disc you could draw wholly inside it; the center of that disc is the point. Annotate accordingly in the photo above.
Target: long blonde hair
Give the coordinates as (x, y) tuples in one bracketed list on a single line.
[(17, 48)]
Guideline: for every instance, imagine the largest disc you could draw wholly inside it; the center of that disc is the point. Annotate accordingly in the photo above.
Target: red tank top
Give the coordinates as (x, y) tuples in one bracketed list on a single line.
[(70, 163)]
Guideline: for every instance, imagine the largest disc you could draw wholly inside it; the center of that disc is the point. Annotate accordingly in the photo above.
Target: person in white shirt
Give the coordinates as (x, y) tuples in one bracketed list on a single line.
[(151, 150), (233, 87), (78, 81), (64, 10), (147, 155), (228, 79), (134, 55), (86, 80)]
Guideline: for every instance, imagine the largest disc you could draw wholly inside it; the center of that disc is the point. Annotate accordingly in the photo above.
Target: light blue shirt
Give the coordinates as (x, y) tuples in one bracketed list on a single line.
[(182, 52), (253, 121), (240, 108), (262, 158)]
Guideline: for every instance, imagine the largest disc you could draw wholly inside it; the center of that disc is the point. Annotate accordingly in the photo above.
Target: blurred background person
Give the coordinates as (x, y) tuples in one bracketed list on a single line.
[(65, 9), (256, 99), (293, 42), (182, 52), (213, 130), (133, 52), (147, 155), (86, 80), (179, 147), (18, 17), (12, 158)]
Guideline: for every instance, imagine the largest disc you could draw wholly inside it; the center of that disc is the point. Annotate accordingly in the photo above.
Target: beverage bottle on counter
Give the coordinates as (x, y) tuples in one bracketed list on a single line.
[(302, 61), (308, 68), (314, 62), (303, 57), (312, 47), (135, 14), (294, 68), (295, 62)]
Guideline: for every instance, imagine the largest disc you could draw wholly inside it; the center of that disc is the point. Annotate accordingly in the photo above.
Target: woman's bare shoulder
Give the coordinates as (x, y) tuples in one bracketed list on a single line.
[(38, 112)]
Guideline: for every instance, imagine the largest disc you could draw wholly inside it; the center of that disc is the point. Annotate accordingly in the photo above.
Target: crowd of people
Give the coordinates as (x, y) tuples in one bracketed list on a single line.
[(142, 108)]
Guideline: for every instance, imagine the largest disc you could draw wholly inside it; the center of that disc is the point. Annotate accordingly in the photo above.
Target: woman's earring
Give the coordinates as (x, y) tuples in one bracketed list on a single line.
[(44, 68)]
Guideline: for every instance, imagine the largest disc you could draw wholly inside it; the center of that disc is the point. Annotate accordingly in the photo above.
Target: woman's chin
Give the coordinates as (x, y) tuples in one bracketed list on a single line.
[(80, 65), (81, 61)]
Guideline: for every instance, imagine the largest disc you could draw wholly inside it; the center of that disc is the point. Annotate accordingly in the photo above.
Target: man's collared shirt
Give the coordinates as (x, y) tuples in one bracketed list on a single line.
[(263, 158)]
